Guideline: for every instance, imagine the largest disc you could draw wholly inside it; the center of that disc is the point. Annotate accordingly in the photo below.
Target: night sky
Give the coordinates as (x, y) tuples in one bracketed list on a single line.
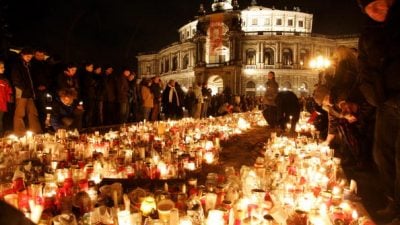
[(114, 31)]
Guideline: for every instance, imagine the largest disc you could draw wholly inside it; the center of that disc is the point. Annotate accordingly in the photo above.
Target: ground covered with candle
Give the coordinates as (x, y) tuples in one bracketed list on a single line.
[(228, 170)]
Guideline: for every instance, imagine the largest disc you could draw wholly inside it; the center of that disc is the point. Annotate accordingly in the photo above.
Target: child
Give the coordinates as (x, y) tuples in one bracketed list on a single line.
[(5, 95)]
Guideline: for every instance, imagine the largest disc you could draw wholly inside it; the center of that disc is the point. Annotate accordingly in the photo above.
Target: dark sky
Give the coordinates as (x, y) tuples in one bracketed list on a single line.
[(114, 31)]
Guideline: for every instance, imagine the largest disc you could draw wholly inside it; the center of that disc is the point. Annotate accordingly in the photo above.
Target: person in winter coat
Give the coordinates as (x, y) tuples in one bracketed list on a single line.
[(67, 112), (24, 94), (147, 98), (269, 100), (5, 95)]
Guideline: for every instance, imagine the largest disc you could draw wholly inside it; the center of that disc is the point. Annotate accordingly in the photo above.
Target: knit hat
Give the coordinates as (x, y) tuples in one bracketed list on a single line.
[(364, 3)]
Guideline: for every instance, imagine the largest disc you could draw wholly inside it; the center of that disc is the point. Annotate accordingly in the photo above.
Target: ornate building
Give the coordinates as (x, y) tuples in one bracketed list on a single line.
[(236, 48)]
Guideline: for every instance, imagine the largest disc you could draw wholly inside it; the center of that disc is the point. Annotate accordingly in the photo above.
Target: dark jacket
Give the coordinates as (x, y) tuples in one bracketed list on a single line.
[(370, 58), (40, 72), (88, 85), (122, 83), (110, 94), (379, 56), (21, 78), (61, 111), (156, 89), (67, 82)]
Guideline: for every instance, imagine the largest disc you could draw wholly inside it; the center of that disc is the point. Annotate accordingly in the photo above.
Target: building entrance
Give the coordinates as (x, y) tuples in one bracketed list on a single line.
[(216, 84)]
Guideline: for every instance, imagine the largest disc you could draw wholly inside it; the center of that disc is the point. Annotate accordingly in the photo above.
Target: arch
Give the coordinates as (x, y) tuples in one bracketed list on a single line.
[(175, 63), (287, 57), (251, 56), (185, 61), (250, 88), (166, 64), (286, 86), (304, 57), (251, 84), (216, 84), (269, 56)]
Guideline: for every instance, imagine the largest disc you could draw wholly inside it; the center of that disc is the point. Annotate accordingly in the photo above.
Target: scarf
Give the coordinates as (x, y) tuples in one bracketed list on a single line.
[(173, 91)]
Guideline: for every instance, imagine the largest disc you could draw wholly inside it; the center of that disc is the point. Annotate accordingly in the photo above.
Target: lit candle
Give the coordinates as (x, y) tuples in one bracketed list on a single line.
[(215, 217), (124, 218), (211, 200), (185, 221), (209, 157), (148, 206)]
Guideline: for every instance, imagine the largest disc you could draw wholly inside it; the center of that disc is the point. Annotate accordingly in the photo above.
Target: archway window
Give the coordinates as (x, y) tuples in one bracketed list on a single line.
[(304, 57), (251, 57), (174, 63), (286, 86), (167, 65), (185, 61), (287, 57), (269, 56), (250, 88), (303, 87)]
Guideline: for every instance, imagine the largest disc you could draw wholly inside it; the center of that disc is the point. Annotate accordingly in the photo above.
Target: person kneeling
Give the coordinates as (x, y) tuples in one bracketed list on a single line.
[(66, 113)]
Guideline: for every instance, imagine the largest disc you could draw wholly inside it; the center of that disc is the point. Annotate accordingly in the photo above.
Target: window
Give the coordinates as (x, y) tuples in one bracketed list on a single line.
[(287, 86), (162, 67), (301, 23), (304, 57), (185, 61), (174, 63), (254, 21), (279, 22), (187, 34), (251, 88), (267, 21), (290, 22), (166, 65), (194, 31), (148, 69), (268, 56), (251, 57), (287, 57)]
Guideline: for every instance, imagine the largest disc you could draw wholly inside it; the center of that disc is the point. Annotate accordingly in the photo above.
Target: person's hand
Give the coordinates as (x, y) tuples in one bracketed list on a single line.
[(350, 118), (80, 107)]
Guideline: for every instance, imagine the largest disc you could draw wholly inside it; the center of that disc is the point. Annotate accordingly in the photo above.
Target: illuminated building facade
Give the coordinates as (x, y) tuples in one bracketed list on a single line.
[(236, 48)]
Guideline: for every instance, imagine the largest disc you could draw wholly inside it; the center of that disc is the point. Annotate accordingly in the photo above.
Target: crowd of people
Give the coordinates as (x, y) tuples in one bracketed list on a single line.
[(41, 95)]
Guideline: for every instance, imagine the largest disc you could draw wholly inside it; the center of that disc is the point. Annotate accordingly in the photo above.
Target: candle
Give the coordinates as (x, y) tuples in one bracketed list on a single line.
[(148, 205), (211, 200), (185, 221), (215, 217), (164, 208), (124, 218), (209, 157)]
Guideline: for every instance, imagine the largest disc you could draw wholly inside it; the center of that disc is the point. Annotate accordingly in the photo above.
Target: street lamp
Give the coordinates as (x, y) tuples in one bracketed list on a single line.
[(320, 63)]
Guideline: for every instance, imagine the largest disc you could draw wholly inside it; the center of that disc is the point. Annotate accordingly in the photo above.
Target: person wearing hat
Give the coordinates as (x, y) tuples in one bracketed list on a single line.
[(379, 61)]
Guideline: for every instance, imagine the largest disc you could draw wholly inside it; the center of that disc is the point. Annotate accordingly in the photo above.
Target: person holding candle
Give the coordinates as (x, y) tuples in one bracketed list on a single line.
[(379, 59), (67, 113)]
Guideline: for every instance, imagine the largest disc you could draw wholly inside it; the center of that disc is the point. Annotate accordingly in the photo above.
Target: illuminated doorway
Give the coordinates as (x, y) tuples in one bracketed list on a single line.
[(216, 84)]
